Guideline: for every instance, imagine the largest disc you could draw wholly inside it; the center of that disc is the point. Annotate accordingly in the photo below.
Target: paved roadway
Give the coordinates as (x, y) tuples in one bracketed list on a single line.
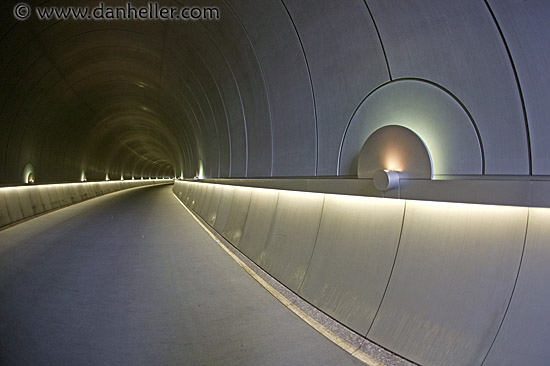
[(131, 279)]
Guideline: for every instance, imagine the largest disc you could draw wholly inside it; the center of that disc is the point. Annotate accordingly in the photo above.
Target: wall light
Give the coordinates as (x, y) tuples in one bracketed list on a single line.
[(385, 180), (28, 174)]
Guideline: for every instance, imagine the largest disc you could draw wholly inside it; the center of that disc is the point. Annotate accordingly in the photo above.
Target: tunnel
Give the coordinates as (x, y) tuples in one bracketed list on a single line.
[(306, 182)]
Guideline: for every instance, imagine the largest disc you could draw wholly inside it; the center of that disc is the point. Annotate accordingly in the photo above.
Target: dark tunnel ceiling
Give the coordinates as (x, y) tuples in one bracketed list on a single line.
[(274, 88), (115, 98)]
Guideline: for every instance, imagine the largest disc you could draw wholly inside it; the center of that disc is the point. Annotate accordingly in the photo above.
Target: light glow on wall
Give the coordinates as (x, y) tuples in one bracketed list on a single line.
[(28, 174), (392, 162), (201, 170)]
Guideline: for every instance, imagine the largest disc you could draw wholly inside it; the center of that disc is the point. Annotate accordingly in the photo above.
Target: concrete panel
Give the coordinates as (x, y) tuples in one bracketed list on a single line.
[(176, 189), (237, 215), (198, 194), (452, 281), (353, 258), (193, 194), (456, 44), (180, 189), (207, 199), (224, 208), (292, 238), (97, 188), (12, 204), (69, 194), (90, 191), (261, 212), (4, 214), (212, 212), (81, 192), (523, 338), (346, 62), (53, 194), (201, 197), (36, 200), (525, 27), (428, 111), (184, 189), (27, 201), (27, 207), (189, 194)]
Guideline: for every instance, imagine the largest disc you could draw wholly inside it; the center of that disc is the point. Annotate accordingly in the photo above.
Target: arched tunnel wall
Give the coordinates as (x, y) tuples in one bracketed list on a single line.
[(275, 89), (437, 283)]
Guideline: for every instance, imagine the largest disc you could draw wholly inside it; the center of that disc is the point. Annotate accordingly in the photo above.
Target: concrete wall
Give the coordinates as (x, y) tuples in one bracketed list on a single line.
[(437, 283), (23, 202)]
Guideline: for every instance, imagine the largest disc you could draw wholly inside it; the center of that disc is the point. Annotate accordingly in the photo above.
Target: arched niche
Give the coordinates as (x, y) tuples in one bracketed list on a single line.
[(432, 113), (395, 148)]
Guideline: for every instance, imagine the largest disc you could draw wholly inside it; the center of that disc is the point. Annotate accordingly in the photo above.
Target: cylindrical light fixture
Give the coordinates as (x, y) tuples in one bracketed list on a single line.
[(384, 180)]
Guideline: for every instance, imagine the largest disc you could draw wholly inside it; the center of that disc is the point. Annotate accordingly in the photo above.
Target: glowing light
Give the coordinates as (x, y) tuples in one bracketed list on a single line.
[(83, 176), (28, 174), (43, 186), (392, 162), (456, 206), (200, 173)]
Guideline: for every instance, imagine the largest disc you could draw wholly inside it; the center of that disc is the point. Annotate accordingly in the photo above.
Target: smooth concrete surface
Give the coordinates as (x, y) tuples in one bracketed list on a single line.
[(292, 238), (213, 207), (453, 278), (224, 208), (261, 211), (132, 279), (207, 199), (234, 226), (23, 202), (523, 338), (353, 258), (436, 283)]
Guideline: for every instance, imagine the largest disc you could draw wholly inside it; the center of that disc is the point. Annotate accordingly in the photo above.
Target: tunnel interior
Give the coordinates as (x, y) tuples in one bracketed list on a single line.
[(318, 96)]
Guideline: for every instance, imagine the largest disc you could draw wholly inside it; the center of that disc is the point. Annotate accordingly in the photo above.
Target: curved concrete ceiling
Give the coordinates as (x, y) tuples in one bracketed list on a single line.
[(270, 88)]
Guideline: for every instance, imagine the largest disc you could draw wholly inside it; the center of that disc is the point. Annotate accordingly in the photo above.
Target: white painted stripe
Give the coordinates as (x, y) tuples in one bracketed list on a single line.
[(339, 341)]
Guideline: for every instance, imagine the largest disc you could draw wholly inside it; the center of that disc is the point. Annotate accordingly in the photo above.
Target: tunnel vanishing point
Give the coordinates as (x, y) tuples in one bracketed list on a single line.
[(387, 161)]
